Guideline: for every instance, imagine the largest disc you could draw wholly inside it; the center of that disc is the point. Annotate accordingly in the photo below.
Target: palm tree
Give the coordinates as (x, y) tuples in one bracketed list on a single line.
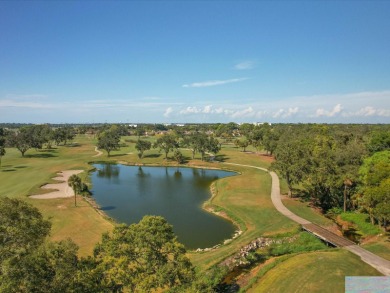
[(74, 181)]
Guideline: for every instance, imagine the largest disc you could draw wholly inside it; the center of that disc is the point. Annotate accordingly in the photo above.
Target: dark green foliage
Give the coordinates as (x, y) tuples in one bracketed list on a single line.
[(49, 268), (143, 257), (75, 182), (22, 228), (2, 143), (141, 146), (21, 139), (322, 160), (242, 143), (166, 143), (205, 282), (109, 140), (374, 195), (63, 134), (292, 160), (137, 258), (200, 142), (380, 141), (361, 221), (178, 156)]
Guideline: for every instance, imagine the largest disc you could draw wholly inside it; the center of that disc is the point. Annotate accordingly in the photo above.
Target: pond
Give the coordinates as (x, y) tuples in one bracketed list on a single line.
[(127, 193)]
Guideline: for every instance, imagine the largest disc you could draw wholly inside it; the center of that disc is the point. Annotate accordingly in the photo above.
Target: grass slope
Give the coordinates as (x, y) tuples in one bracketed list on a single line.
[(313, 272), (304, 210)]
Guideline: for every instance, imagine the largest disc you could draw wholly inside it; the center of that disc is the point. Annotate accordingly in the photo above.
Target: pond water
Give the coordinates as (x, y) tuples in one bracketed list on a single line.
[(127, 193)]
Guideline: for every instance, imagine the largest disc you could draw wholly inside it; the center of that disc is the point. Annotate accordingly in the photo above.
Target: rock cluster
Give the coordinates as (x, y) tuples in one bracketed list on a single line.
[(236, 234), (241, 258)]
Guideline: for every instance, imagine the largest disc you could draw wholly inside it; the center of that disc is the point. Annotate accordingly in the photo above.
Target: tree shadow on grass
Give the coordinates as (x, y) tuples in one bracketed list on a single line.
[(48, 150), (221, 158), (73, 145), (44, 155), (118, 155), (152, 156), (8, 170), (20, 167)]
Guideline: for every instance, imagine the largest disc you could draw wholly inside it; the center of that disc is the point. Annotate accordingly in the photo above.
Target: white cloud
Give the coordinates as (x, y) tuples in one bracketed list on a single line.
[(245, 65), (285, 113), (278, 113), (322, 112), (208, 109), (360, 107), (213, 82), (168, 112), (190, 110), (369, 111), (248, 112)]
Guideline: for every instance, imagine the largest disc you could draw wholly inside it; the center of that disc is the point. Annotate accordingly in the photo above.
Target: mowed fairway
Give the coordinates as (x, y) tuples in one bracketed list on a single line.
[(313, 272), (245, 197)]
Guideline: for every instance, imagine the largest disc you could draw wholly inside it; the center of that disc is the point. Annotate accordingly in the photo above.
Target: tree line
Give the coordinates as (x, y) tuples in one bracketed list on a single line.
[(340, 166), (337, 167), (35, 137), (197, 142)]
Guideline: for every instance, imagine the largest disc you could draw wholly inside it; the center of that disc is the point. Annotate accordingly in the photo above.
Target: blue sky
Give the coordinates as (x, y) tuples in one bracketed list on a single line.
[(195, 61)]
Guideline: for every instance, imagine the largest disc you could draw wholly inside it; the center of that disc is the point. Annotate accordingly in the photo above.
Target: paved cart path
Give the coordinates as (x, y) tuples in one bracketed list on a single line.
[(377, 262)]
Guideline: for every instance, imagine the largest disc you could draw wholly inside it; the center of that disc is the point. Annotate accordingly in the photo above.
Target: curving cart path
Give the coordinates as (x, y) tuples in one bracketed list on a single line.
[(377, 262)]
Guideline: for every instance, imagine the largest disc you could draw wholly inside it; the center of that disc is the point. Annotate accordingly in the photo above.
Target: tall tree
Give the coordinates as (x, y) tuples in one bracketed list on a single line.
[(379, 141), (246, 130), (291, 160), (375, 178), (166, 143), (143, 257), (75, 182), (22, 228), (141, 146), (21, 139), (109, 141), (270, 138), (242, 143), (51, 268), (192, 142), (2, 143)]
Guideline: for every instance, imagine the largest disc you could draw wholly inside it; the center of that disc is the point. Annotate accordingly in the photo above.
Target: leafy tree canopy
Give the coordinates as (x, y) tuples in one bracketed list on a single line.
[(143, 257)]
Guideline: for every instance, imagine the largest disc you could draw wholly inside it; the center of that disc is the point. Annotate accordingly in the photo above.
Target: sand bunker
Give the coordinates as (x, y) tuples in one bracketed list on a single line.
[(62, 188)]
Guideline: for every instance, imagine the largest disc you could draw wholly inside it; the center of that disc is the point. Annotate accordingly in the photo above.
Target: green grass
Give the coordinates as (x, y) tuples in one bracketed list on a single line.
[(381, 248), (304, 210), (322, 271), (246, 196), (362, 223), (303, 243), (21, 177)]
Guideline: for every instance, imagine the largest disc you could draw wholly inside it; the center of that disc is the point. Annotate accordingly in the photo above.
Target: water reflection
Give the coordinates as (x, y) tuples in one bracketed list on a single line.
[(175, 193), (178, 175), (142, 174), (108, 171)]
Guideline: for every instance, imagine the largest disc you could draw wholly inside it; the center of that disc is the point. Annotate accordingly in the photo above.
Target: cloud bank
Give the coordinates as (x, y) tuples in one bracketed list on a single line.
[(360, 107)]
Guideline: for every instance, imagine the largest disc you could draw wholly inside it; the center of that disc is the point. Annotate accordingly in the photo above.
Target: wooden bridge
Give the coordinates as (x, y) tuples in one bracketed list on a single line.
[(327, 236)]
